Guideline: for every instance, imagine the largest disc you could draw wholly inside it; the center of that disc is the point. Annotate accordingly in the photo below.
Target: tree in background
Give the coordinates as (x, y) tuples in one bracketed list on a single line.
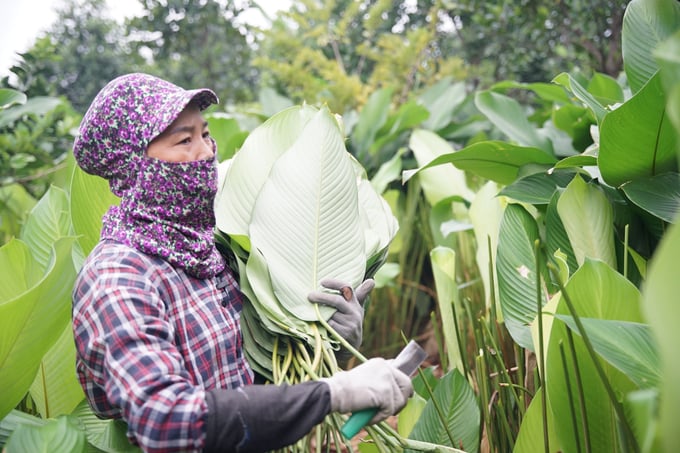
[(79, 53), (532, 40), (340, 51), (197, 44)]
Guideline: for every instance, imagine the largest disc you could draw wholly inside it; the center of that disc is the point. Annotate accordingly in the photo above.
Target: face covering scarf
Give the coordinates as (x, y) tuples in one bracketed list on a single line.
[(169, 213)]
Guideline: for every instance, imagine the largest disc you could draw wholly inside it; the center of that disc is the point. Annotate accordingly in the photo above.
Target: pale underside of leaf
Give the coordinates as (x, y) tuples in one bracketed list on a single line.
[(306, 218)]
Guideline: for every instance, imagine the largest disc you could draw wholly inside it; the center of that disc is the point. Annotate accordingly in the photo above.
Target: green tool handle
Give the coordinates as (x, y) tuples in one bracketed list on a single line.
[(357, 421), (407, 361)]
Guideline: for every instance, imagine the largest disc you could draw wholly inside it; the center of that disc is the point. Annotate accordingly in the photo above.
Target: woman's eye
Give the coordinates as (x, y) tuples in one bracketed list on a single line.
[(185, 141), (206, 134)]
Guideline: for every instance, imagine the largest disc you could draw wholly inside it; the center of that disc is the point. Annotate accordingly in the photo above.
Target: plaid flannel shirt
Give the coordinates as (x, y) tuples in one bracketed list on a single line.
[(151, 340)]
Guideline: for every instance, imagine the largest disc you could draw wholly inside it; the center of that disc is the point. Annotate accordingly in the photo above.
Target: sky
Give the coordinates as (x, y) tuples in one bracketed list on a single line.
[(27, 18)]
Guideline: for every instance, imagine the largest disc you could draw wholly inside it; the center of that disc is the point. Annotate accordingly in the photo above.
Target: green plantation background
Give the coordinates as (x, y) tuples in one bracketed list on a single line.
[(528, 149)]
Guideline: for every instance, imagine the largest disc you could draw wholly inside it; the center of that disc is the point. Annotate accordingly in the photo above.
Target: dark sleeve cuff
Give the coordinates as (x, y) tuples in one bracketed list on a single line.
[(259, 418)]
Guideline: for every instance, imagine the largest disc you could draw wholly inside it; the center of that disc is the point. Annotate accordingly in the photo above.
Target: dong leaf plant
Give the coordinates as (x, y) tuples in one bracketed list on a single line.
[(587, 180)]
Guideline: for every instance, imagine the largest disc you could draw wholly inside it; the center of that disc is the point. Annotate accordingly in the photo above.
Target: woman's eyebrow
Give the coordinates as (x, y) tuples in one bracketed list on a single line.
[(185, 128)]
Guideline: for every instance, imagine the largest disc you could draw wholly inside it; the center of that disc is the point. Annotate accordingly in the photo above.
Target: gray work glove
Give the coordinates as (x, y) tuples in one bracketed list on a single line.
[(348, 319), (376, 383)]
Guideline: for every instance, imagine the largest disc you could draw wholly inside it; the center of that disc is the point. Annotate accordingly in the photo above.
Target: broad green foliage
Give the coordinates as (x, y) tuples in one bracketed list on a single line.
[(537, 235), (590, 190), (454, 401)]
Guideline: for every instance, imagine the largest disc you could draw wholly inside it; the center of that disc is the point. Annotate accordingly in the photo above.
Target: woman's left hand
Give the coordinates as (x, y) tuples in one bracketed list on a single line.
[(348, 319)]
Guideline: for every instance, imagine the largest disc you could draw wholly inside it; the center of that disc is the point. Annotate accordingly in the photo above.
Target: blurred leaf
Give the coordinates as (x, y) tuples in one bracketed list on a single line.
[(641, 408), (9, 97), (509, 116), (272, 102), (62, 434), (444, 270), (546, 91), (660, 303), (606, 89), (371, 118), (645, 24), (48, 221), (34, 106), (442, 100), (56, 390), (438, 183), (227, 134), (90, 199)]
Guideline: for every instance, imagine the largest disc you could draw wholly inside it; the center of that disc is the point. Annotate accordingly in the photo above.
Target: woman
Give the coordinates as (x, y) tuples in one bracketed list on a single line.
[(155, 308)]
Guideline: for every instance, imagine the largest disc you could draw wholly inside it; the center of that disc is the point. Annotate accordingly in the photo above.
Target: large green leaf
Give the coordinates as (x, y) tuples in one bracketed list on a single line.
[(56, 390), (90, 199), (32, 321), (556, 237), (517, 273), (247, 172), (660, 303), (628, 346), (658, 195), (596, 291), (645, 24), (588, 219), (637, 139), (509, 116), (460, 426), (668, 57), (306, 218), (494, 160)]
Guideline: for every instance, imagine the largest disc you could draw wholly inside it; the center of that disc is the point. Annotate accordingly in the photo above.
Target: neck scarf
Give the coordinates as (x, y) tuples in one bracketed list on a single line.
[(169, 213)]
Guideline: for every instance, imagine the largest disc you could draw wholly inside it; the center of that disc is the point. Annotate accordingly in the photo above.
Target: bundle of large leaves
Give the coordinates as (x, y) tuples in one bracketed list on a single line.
[(294, 207)]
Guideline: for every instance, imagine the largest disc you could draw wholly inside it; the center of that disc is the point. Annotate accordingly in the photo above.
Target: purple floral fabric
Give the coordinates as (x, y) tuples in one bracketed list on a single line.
[(166, 208)]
